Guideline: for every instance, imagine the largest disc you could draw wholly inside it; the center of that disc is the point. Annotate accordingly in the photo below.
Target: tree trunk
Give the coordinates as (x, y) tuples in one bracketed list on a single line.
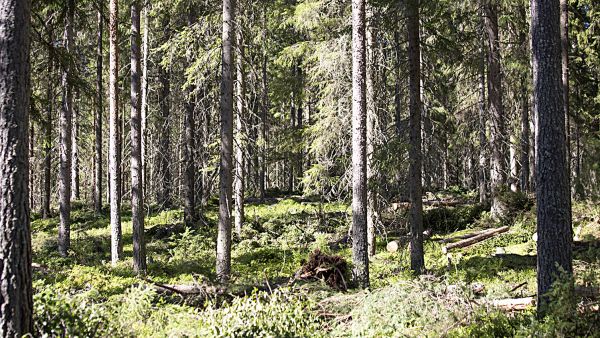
[(98, 120), (417, 262), (137, 186), (525, 134), (514, 165), (31, 160), (552, 177), (240, 141), (483, 143), (189, 164), (397, 86), (144, 104), (16, 302), (48, 134), (360, 255), (75, 151), (564, 46), (496, 110), (165, 181), (113, 148), (226, 163), (265, 114), (66, 124), (371, 125)]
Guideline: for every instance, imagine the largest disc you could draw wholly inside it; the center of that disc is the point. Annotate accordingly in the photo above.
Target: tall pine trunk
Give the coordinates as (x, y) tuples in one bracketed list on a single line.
[(165, 180), (265, 113), (240, 141), (189, 170), (564, 46), (371, 125), (66, 124), (360, 255), (483, 143), (495, 108), (75, 195), (417, 262), (98, 172), (113, 148), (137, 186), (226, 163), (554, 252), (16, 304), (48, 134), (144, 104)]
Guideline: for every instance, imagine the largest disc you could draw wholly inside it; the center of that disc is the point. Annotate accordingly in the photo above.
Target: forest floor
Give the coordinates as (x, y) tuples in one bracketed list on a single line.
[(84, 295)]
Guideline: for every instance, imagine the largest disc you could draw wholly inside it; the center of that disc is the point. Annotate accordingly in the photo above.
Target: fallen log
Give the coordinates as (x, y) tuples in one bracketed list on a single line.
[(514, 304), (587, 292), (461, 237), (184, 289), (476, 239), (40, 268)]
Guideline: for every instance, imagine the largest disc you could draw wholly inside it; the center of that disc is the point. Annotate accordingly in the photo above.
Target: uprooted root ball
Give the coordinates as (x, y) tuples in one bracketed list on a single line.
[(329, 268)]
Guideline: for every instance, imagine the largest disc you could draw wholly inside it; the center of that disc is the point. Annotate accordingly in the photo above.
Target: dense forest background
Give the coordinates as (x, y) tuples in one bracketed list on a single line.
[(163, 132)]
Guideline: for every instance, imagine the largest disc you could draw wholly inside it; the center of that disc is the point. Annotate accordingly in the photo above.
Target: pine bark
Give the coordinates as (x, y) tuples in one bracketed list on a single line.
[(552, 176), (265, 114), (371, 126), (114, 164), (99, 112), (564, 46), (75, 194), (137, 186), (360, 255), (495, 108), (483, 143), (240, 175), (144, 104), (165, 179), (16, 302), (66, 125), (226, 162), (525, 135), (417, 261), (46, 195), (189, 164)]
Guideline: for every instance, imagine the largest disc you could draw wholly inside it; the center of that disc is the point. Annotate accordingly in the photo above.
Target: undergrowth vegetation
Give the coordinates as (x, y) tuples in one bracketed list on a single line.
[(82, 295)]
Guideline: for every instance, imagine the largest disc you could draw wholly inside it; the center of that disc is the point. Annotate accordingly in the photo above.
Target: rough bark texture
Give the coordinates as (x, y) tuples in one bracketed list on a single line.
[(144, 104), (240, 141), (483, 143), (137, 190), (265, 114), (564, 47), (48, 135), (525, 135), (75, 150), (495, 108), (164, 179), (552, 180), (16, 302), (189, 164), (417, 261), (397, 86), (226, 163), (66, 124), (98, 120), (360, 255), (371, 128), (113, 148)]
